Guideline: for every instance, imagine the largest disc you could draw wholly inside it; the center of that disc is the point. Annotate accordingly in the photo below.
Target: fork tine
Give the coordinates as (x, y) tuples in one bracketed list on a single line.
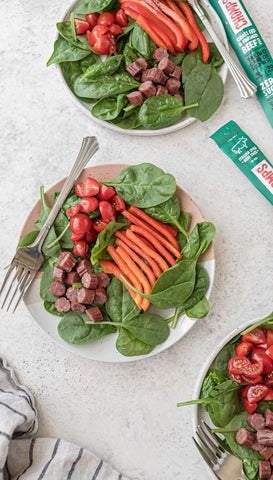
[(204, 455), (21, 282), (215, 437), (217, 450), (17, 276), (24, 290), (11, 267), (208, 449)]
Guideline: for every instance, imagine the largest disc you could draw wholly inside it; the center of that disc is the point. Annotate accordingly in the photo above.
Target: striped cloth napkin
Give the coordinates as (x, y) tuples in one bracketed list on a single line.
[(23, 456)]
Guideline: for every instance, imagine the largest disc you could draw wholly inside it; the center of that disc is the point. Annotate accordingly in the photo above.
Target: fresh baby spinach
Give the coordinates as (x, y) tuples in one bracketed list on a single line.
[(119, 305), (105, 86), (65, 30), (169, 212), (91, 6), (105, 238), (199, 240), (140, 41), (28, 239), (199, 310), (130, 54), (46, 280), (128, 119), (162, 111), (109, 108), (200, 288), (65, 51), (130, 346), (72, 70), (50, 308), (108, 67), (75, 328)]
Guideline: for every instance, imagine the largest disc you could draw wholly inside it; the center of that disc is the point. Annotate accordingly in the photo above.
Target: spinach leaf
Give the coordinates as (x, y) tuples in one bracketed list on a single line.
[(71, 200), (46, 281), (189, 63), (251, 468), (200, 288), (130, 54), (130, 346), (162, 111), (169, 212), (51, 236), (28, 239), (105, 238), (108, 67), (140, 40), (72, 70), (179, 273), (239, 421), (50, 307), (65, 51), (73, 329), (60, 224), (144, 185), (199, 240), (105, 86), (109, 108), (119, 305), (65, 30), (178, 58), (221, 361), (212, 379), (215, 56), (200, 310), (263, 405), (128, 121), (91, 6)]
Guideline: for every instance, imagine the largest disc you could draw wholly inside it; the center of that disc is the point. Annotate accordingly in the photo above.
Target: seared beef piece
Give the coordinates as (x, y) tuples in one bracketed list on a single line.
[(154, 74), (148, 89), (77, 307), (176, 73), (166, 65), (271, 476), (72, 293), (100, 296), (164, 79), (180, 98), (245, 437), (267, 452), (135, 98), (264, 469), (143, 62), (62, 305), (86, 296), (256, 446), (161, 90), (160, 53), (83, 267), (72, 277), (94, 314), (265, 437), (58, 273), (256, 421), (268, 418), (271, 460), (173, 86), (89, 280), (68, 262), (58, 289), (144, 76), (62, 255), (103, 279), (136, 68)]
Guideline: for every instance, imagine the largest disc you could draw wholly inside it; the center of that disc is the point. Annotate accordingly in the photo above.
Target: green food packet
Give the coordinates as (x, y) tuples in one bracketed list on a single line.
[(247, 156), (250, 49)]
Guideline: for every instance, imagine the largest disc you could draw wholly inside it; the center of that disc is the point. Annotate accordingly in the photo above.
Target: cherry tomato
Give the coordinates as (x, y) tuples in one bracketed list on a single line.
[(71, 212), (115, 29), (113, 218), (269, 395), (88, 204), (269, 352), (90, 187), (245, 390), (105, 44), (236, 364), (252, 380), (78, 189), (259, 355), (76, 237), (250, 407), (113, 43), (237, 378), (106, 209), (91, 236), (99, 224), (269, 338), (256, 393), (81, 26), (80, 223), (106, 18), (256, 336), (97, 32), (244, 348), (121, 18), (92, 19), (80, 248), (117, 203), (253, 369), (268, 379), (105, 192)]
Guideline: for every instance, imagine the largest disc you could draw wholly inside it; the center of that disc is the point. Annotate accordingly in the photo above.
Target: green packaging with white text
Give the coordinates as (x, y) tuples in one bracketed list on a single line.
[(250, 49), (247, 156)]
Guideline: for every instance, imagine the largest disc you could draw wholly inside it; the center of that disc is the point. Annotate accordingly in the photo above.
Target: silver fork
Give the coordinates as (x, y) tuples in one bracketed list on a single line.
[(246, 87), (224, 465), (28, 260)]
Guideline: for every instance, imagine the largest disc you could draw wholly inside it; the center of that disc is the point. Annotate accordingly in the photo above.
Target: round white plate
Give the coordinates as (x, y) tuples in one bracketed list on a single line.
[(186, 120), (104, 349)]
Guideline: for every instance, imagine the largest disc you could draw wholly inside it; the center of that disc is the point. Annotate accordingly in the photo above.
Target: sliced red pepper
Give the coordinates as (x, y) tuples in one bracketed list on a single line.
[(189, 16), (153, 240), (110, 267), (146, 269), (147, 26)]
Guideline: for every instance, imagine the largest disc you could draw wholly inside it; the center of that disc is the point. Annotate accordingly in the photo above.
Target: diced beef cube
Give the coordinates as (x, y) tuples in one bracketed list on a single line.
[(72, 293), (271, 476), (160, 53), (72, 277), (271, 460), (135, 98), (94, 314), (100, 296), (245, 437), (180, 98), (136, 68), (267, 452), (89, 280), (103, 279), (164, 79), (160, 90), (143, 62), (148, 89), (85, 295), (256, 446), (154, 74), (62, 255), (77, 307), (58, 273), (264, 469), (256, 421), (173, 86), (176, 73), (166, 65), (265, 437), (268, 418), (62, 305), (68, 262), (83, 267), (58, 289)]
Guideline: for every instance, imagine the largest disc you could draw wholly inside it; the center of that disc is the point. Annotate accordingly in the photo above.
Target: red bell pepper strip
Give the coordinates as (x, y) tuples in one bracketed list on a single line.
[(146, 269), (110, 267), (137, 240), (149, 236), (203, 42)]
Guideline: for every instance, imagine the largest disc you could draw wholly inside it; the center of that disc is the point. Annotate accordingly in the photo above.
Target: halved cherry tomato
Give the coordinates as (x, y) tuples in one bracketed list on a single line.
[(268, 379), (245, 390), (269, 338), (106, 18), (117, 203), (97, 32), (88, 204), (106, 209), (72, 211), (269, 395), (244, 348), (105, 192), (80, 223), (259, 355), (256, 393), (115, 29), (92, 19), (102, 45), (121, 18), (99, 224), (252, 380), (113, 218), (91, 236), (80, 248), (253, 369), (78, 189), (76, 237), (269, 352), (90, 187), (256, 336), (81, 26), (250, 407), (236, 364), (237, 378)]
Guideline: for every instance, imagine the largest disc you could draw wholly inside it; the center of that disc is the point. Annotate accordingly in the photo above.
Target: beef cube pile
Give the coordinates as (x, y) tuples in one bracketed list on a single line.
[(166, 78), (69, 272), (261, 441)]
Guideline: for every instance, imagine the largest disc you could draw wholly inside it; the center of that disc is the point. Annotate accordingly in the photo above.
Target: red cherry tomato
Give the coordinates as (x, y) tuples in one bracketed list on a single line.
[(117, 203), (106, 18), (244, 348), (88, 204), (71, 212), (97, 32), (269, 338), (92, 19), (115, 29), (268, 379), (90, 187), (105, 44), (121, 18), (91, 236), (253, 369), (106, 209), (78, 189), (76, 237), (259, 355), (256, 336), (80, 248), (269, 352), (250, 407), (269, 395), (80, 223), (105, 192), (237, 378), (81, 26), (113, 218), (252, 380), (256, 393), (113, 43), (236, 364), (99, 224)]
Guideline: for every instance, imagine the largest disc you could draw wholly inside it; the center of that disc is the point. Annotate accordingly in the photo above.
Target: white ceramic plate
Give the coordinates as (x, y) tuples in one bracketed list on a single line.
[(104, 349), (186, 120)]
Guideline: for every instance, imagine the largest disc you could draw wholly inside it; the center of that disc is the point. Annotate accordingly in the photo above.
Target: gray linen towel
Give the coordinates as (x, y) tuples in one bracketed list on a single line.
[(23, 456)]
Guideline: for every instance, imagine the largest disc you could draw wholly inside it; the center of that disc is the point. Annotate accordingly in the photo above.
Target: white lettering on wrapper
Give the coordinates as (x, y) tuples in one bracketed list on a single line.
[(235, 15), (264, 172)]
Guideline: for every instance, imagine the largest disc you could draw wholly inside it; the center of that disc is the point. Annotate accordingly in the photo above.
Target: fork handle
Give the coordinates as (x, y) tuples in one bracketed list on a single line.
[(246, 87), (88, 148)]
